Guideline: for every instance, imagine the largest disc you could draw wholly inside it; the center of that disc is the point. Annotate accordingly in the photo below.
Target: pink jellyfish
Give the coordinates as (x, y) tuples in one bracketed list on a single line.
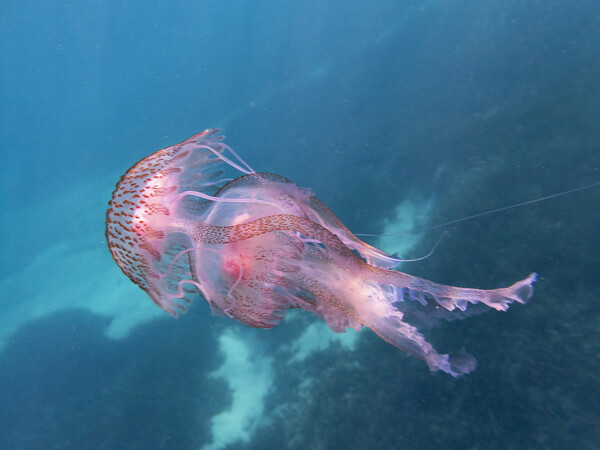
[(257, 245)]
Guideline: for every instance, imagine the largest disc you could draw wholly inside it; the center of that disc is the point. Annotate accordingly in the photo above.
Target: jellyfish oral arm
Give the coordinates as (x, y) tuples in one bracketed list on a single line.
[(375, 291), (451, 297)]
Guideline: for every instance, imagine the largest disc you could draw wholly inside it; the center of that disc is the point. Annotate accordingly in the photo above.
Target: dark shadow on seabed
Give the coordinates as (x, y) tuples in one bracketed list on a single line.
[(66, 385)]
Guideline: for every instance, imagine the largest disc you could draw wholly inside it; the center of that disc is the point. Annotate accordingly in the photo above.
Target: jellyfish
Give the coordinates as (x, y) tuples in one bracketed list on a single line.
[(254, 245)]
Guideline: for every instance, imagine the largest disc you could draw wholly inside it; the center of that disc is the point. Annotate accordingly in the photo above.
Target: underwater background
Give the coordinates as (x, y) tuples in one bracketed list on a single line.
[(399, 115)]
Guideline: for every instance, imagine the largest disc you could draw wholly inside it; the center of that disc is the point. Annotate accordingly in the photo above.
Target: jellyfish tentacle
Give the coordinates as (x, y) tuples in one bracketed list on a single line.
[(226, 159)]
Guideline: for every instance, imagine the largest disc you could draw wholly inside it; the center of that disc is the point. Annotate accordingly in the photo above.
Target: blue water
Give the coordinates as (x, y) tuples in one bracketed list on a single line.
[(452, 108)]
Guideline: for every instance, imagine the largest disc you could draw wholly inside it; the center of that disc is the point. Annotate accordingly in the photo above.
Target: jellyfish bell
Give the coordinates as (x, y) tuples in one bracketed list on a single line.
[(257, 244)]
